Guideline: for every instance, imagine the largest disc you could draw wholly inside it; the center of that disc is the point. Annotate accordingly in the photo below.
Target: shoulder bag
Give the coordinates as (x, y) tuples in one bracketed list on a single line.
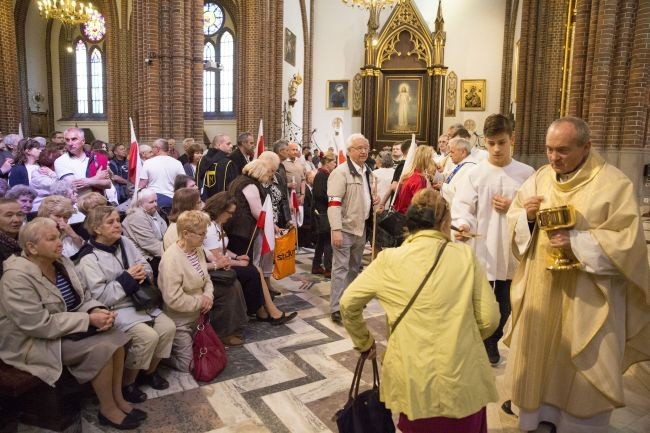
[(365, 412), (222, 277), (148, 296)]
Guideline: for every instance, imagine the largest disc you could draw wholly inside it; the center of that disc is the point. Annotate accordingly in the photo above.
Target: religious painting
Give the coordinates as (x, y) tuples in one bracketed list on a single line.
[(338, 94), (289, 47), (403, 96), (472, 95)]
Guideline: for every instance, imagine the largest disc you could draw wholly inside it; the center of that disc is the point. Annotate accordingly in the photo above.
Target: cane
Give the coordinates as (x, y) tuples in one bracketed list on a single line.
[(374, 221)]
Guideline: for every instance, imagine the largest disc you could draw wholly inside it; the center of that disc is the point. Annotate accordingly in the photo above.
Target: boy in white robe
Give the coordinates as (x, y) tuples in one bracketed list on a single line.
[(480, 205)]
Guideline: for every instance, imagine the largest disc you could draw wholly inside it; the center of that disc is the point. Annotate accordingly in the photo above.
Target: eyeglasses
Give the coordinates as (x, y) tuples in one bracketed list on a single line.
[(361, 149), (202, 234)]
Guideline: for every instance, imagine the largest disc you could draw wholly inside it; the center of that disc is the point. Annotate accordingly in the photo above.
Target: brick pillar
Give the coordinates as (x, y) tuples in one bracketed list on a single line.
[(119, 72), (512, 7), (168, 88), (539, 81), (10, 108)]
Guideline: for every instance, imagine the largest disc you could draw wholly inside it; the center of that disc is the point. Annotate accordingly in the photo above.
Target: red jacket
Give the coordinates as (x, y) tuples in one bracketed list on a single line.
[(407, 190)]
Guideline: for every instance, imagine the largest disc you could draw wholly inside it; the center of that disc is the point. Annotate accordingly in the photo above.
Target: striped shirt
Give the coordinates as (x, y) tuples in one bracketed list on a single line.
[(70, 297), (193, 257)]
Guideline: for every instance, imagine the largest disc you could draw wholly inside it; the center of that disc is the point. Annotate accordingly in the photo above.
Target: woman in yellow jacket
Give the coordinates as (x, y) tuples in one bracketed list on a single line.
[(435, 372)]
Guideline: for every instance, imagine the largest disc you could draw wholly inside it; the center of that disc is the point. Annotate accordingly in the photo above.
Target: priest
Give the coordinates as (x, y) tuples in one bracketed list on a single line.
[(575, 332)]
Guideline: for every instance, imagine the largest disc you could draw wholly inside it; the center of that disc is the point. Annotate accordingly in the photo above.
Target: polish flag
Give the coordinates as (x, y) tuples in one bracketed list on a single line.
[(260, 140), (266, 226), (134, 161), (342, 156)]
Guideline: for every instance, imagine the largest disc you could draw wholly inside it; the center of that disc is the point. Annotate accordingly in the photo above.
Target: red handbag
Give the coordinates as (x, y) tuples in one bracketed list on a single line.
[(208, 352)]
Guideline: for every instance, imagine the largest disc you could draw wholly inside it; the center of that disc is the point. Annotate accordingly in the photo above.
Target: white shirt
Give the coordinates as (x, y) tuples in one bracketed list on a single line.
[(160, 172), (472, 205), (31, 168), (65, 165), (478, 154), (213, 241), (366, 189), (449, 185), (384, 178)]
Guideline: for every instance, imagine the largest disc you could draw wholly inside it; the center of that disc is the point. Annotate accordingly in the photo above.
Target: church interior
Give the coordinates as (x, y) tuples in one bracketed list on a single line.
[(313, 72)]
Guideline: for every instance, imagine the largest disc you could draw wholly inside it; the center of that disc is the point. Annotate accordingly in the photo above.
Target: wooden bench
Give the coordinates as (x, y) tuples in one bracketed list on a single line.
[(27, 399)]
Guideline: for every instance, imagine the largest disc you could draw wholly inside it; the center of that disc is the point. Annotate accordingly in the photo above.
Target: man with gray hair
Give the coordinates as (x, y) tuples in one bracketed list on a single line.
[(349, 209), (159, 172), (459, 153), (85, 170)]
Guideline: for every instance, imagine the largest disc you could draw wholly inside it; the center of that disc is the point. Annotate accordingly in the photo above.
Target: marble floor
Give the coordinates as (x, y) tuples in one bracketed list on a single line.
[(293, 378)]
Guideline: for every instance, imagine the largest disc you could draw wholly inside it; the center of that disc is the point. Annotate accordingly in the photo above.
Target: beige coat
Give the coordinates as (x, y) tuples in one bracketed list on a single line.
[(181, 286), (139, 227), (345, 184), (33, 318)]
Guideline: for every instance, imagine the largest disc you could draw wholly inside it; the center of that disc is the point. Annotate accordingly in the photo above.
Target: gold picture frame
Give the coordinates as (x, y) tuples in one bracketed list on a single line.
[(338, 95), (472, 95)]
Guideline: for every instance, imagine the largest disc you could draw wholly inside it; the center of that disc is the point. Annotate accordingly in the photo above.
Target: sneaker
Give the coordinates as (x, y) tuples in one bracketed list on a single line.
[(493, 353)]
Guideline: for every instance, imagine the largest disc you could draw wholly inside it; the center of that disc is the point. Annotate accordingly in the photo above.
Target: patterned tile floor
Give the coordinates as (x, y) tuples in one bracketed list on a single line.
[(293, 378)]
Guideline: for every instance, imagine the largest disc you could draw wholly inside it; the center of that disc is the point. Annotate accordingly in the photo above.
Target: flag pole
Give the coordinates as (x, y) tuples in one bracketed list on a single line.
[(251, 241), (374, 221)]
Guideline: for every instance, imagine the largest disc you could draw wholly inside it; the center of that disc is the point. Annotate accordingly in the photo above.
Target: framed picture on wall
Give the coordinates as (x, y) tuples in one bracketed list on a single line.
[(338, 94), (472, 95), (289, 47), (402, 105)]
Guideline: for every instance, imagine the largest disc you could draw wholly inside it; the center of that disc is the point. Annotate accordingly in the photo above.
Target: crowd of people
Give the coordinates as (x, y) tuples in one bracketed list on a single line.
[(78, 246)]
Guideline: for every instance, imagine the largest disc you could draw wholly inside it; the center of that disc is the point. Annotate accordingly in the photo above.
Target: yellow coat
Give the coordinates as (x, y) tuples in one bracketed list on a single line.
[(435, 363)]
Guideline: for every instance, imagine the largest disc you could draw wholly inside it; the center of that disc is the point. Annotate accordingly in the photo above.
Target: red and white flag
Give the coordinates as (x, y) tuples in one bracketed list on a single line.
[(266, 226), (135, 164), (260, 140), (341, 154)]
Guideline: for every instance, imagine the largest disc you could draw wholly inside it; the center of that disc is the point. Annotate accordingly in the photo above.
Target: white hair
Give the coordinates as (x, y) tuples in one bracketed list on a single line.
[(354, 138), (460, 143)]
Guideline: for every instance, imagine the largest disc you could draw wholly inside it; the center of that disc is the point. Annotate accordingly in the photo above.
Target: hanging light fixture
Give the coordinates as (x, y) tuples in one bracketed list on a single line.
[(69, 12), (368, 4)]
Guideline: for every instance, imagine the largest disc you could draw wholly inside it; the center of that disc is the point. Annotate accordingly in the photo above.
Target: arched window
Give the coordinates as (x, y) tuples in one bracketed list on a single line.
[(83, 70), (219, 62)]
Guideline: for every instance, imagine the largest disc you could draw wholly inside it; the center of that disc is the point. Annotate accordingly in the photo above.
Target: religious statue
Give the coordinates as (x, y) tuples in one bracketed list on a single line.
[(295, 81)]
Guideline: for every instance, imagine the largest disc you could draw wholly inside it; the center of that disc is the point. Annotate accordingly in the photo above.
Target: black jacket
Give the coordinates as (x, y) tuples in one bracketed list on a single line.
[(214, 173), (239, 159)]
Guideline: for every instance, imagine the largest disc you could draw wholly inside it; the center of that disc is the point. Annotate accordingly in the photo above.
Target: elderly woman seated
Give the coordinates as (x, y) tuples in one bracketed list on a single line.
[(220, 207), (185, 283), (59, 210), (228, 315), (11, 220), (145, 227), (67, 190), (113, 270), (48, 321), (24, 195)]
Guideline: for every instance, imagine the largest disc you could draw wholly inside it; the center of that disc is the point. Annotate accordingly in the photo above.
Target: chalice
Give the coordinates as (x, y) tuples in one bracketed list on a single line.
[(556, 218)]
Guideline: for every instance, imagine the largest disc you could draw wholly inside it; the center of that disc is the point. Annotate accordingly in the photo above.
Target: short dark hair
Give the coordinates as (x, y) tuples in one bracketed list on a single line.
[(243, 137), (462, 133), (180, 181), (55, 133), (218, 204), (497, 124), (405, 146)]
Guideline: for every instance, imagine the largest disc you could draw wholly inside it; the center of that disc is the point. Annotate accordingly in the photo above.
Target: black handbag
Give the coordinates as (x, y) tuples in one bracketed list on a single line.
[(321, 222), (222, 277), (365, 412), (393, 223), (147, 297)]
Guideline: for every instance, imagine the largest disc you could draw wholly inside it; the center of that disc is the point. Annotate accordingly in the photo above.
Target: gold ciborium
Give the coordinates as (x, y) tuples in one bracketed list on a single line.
[(557, 218)]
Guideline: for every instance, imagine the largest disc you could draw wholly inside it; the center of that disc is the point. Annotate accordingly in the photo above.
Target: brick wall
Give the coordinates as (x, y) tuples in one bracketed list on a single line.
[(10, 108), (539, 80), (510, 22), (610, 79)]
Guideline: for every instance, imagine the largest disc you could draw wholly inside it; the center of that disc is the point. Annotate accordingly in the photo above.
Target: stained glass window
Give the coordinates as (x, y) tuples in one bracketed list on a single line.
[(95, 29), (209, 80), (82, 77), (96, 81), (226, 83), (212, 18)]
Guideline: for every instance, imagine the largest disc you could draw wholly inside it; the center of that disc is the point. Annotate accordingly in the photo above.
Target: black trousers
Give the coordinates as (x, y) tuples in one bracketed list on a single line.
[(323, 253), (251, 287), (502, 293)]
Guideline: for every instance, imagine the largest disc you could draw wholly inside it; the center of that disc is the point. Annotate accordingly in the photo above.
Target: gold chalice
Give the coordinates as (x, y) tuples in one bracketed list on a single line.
[(556, 218)]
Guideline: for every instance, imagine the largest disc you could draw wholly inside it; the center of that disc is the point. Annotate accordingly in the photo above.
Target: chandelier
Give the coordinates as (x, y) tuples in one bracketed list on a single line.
[(369, 4), (69, 12)]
